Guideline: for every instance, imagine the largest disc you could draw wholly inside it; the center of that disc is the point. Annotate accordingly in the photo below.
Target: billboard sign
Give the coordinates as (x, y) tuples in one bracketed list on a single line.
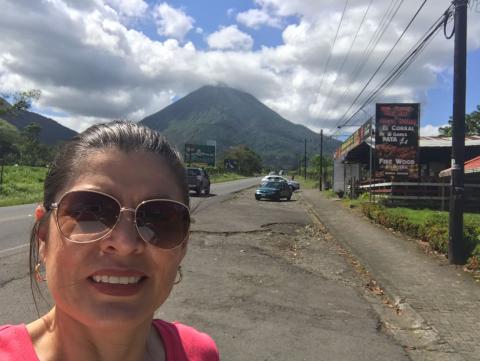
[(199, 153), (396, 140), (354, 140)]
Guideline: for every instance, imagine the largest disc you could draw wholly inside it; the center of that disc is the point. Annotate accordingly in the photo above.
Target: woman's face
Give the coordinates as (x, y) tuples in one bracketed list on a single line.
[(70, 267)]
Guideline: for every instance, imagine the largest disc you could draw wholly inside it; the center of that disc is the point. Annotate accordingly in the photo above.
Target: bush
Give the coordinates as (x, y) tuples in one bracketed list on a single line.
[(434, 229)]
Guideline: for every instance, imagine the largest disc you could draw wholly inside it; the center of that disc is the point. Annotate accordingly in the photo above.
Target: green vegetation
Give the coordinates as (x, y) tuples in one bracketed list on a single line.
[(22, 185), (428, 225), (472, 124), (248, 162), (308, 183), (225, 177), (233, 117)]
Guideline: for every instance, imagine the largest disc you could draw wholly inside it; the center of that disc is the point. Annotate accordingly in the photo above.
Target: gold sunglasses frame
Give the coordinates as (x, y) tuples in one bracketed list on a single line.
[(54, 206)]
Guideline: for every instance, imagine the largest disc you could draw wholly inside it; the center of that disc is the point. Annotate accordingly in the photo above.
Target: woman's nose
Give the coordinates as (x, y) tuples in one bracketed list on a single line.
[(124, 238)]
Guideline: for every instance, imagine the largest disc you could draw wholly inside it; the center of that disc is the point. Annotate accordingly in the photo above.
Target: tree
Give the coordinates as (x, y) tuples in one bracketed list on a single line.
[(32, 152), (9, 138), (248, 161), (25, 145), (472, 124), (21, 101)]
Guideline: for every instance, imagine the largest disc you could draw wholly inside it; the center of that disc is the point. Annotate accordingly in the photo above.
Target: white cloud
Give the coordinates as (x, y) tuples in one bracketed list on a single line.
[(254, 18), (172, 22), (102, 68), (230, 38), (133, 8), (430, 130)]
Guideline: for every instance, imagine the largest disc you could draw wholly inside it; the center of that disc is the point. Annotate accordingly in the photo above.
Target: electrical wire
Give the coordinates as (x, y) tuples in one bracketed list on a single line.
[(407, 60), (372, 45), (333, 44), (385, 59), (348, 53)]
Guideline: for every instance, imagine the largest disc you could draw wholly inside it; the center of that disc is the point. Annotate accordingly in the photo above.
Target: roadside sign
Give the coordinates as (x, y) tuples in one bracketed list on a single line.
[(200, 153), (396, 139)]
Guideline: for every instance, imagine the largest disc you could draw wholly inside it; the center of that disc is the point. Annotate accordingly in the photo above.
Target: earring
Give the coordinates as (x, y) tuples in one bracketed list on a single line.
[(38, 276), (180, 276)]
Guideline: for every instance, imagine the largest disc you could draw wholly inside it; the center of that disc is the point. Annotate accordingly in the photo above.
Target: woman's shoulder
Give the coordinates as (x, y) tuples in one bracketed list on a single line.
[(15, 344), (195, 345)]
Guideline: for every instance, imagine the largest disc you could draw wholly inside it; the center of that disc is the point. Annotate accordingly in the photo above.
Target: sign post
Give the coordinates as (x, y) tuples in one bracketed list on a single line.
[(199, 153)]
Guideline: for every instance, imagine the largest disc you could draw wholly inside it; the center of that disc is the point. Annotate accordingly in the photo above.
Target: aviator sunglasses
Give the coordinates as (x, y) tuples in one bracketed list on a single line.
[(88, 216)]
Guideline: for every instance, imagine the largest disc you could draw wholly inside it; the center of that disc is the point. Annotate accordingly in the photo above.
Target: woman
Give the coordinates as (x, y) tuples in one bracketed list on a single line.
[(108, 241)]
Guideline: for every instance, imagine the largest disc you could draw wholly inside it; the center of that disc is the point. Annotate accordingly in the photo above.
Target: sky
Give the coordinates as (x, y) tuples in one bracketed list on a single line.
[(100, 60)]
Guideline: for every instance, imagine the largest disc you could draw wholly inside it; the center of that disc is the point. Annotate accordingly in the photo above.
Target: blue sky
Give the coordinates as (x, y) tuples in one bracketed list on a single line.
[(439, 105), (99, 60)]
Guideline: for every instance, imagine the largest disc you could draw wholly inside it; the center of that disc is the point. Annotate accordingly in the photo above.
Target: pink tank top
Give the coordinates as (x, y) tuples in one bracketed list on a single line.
[(181, 342)]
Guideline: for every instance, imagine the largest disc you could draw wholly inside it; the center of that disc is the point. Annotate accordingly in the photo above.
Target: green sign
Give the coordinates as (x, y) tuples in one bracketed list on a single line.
[(199, 153)]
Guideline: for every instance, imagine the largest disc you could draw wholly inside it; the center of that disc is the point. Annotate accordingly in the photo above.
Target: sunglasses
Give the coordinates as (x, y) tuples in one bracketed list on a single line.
[(88, 216)]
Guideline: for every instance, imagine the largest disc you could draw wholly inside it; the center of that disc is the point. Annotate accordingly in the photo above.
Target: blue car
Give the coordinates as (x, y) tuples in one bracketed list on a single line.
[(274, 191)]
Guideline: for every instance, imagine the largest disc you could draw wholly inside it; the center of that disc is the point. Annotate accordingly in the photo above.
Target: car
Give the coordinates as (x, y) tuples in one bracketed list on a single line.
[(274, 190), (294, 185), (198, 180), (276, 178)]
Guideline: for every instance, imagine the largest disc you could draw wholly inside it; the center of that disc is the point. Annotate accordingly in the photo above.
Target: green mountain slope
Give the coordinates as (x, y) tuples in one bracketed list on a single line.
[(51, 133), (232, 117)]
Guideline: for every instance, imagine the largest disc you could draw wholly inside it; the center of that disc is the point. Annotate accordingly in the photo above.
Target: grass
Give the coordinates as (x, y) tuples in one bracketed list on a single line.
[(22, 185), (431, 226), (419, 216), (309, 183), (225, 177)]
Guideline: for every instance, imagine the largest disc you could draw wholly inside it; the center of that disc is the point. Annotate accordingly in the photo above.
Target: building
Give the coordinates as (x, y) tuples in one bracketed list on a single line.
[(354, 165)]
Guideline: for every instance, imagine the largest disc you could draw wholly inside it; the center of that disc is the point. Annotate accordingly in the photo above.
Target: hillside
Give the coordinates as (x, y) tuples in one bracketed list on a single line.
[(51, 133), (232, 117)]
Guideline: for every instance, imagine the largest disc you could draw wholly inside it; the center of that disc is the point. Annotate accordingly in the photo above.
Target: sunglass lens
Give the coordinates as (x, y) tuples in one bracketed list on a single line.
[(163, 223), (85, 216)]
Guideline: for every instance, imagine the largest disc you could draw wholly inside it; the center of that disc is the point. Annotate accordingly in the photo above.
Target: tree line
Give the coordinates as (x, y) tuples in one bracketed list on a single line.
[(22, 146)]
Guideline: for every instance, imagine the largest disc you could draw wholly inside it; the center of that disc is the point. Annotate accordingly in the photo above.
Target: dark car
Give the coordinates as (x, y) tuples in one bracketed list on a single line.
[(198, 180), (274, 191)]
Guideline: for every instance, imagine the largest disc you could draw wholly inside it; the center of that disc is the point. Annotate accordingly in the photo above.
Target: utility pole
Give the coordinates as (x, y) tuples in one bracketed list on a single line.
[(456, 245), (305, 161), (371, 161), (320, 175)]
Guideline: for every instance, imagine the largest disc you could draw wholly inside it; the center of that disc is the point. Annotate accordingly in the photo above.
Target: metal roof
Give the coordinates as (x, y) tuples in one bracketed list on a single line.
[(447, 141), (471, 166)]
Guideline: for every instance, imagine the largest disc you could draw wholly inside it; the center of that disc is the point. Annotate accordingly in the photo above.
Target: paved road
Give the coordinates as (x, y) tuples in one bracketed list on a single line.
[(16, 221)]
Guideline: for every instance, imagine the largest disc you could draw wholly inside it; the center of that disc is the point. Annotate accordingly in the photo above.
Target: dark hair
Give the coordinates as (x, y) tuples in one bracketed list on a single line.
[(122, 135)]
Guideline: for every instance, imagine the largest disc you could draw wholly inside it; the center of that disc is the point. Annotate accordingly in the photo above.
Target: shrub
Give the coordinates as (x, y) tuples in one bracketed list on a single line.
[(433, 230)]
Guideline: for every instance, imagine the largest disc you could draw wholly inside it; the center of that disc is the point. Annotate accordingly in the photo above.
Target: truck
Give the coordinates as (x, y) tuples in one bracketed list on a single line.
[(198, 181)]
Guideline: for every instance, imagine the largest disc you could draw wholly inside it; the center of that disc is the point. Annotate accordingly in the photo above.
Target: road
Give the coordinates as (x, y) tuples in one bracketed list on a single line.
[(16, 221), (262, 278)]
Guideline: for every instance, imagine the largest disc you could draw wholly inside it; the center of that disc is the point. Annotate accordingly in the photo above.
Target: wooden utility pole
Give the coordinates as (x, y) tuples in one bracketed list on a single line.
[(456, 244), (305, 161), (320, 174)]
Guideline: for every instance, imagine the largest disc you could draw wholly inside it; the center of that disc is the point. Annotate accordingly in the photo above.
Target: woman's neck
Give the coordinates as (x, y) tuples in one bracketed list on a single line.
[(56, 336)]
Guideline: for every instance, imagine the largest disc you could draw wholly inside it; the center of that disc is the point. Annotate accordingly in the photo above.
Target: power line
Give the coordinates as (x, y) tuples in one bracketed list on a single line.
[(372, 44), (348, 53), (407, 60), (386, 57), (333, 45)]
